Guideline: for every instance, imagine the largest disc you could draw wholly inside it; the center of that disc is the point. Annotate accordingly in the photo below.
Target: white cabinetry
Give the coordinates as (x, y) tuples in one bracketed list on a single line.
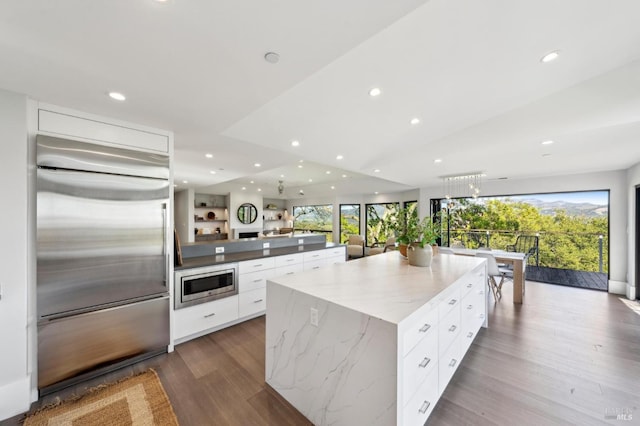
[(196, 319)]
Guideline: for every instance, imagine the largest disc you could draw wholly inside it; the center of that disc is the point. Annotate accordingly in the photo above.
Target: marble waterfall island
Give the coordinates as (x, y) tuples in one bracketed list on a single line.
[(372, 341)]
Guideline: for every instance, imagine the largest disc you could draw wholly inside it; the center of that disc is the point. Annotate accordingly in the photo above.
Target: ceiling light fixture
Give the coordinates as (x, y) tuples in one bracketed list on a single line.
[(310, 180), (244, 188), (185, 181), (213, 172), (295, 143), (547, 142), (328, 172), (257, 165), (375, 92), (551, 56), (339, 157), (299, 166), (344, 176), (117, 96), (281, 176), (209, 155), (462, 186), (415, 121), (280, 187), (437, 160), (251, 181), (376, 171), (333, 187), (272, 57), (259, 189), (376, 192)]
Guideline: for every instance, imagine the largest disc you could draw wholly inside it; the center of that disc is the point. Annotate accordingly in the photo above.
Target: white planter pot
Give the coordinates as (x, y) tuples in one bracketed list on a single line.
[(419, 256)]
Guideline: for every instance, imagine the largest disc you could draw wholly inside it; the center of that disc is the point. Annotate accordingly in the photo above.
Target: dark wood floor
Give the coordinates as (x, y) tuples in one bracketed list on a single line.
[(568, 277), (565, 356)]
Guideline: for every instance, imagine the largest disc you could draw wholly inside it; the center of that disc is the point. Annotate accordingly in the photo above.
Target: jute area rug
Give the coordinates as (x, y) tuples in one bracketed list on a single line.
[(137, 400)]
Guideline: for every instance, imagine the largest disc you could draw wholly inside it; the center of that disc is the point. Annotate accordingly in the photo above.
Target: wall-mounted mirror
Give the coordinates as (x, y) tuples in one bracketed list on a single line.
[(247, 213)]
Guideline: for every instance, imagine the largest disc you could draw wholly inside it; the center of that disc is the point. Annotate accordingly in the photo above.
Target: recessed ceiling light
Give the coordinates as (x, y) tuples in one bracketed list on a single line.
[(547, 142), (310, 180), (376, 192), (259, 189), (551, 56), (281, 176), (333, 187), (344, 176), (299, 166), (415, 121), (257, 165), (271, 57), (339, 157), (376, 171), (209, 155), (300, 161), (117, 96), (251, 181), (185, 181), (375, 92), (213, 172), (328, 172), (295, 143), (244, 188), (437, 160)]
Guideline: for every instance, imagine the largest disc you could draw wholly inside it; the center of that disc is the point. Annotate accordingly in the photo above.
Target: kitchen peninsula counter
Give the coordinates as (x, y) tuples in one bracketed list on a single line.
[(372, 341)]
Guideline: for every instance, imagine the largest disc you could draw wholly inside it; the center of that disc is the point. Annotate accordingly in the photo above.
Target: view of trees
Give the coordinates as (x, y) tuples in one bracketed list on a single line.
[(349, 221), (314, 219), (378, 225), (567, 241)]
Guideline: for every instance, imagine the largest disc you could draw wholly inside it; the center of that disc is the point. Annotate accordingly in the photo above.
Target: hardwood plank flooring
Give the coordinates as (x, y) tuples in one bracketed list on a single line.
[(565, 356)]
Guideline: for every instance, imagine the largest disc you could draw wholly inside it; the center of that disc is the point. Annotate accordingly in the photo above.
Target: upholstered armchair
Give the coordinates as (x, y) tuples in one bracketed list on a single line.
[(355, 246), (389, 245)]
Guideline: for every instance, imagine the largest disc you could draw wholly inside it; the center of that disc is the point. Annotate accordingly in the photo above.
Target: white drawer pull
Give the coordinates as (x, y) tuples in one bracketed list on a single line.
[(452, 328), (470, 307), (258, 280), (209, 315), (425, 407), (424, 362), (290, 260), (289, 273), (424, 328), (469, 285), (452, 302), (470, 335), (258, 301), (316, 267), (258, 265), (453, 363)]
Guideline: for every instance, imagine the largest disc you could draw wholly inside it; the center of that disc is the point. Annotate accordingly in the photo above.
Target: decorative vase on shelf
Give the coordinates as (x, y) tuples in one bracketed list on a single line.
[(419, 256)]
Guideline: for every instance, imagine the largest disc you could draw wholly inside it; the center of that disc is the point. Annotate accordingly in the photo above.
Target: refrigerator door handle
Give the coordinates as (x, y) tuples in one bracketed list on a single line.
[(165, 229)]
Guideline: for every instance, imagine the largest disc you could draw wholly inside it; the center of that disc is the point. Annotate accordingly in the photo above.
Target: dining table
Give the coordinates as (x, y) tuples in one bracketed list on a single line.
[(516, 259)]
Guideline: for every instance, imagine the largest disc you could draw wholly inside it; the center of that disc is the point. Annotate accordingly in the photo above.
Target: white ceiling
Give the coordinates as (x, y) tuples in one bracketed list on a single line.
[(470, 70)]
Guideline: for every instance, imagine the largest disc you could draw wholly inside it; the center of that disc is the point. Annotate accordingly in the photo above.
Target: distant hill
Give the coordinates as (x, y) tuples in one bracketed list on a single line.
[(572, 209)]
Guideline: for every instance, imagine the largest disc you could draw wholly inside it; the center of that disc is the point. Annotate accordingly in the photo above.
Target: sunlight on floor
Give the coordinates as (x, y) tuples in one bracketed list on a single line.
[(634, 305)]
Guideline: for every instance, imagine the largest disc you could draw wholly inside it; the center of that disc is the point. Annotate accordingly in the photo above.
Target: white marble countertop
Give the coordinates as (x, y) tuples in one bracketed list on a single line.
[(383, 286)]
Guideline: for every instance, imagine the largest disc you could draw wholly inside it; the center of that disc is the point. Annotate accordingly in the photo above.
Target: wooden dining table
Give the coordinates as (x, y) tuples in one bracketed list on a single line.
[(518, 260)]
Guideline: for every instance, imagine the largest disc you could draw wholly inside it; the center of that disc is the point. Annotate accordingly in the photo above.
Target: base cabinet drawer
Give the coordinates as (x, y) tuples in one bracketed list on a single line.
[(448, 364), (449, 329), (254, 280), (420, 406), (289, 269), (203, 317), (419, 363), (315, 264), (252, 302)]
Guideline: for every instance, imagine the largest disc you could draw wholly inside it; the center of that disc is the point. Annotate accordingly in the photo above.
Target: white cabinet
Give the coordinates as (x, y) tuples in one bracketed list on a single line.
[(200, 318), (252, 302)]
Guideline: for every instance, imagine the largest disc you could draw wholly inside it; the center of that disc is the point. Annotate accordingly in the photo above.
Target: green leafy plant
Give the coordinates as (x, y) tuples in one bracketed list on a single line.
[(410, 229)]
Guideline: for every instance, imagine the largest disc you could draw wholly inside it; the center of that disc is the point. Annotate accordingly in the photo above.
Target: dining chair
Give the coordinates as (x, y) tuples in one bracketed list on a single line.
[(494, 271)]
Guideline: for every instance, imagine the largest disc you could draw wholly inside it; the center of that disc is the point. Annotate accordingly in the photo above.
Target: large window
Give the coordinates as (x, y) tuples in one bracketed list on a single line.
[(315, 219), (349, 221), (377, 223)]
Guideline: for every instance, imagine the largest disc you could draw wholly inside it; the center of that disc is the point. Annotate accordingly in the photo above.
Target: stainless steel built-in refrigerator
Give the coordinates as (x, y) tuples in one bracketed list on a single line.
[(102, 259)]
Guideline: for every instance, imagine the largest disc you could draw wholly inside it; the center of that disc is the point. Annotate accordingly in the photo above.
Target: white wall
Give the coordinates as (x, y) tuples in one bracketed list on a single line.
[(184, 215), (614, 181), (14, 253), (633, 180)]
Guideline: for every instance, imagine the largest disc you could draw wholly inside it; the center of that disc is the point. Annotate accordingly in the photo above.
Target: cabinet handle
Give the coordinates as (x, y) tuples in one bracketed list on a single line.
[(258, 265), (452, 328), (424, 362), (258, 280), (425, 407), (316, 267), (452, 301), (469, 285), (209, 315), (289, 273), (470, 307), (258, 301), (470, 335), (290, 260), (424, 328), (453, 363)]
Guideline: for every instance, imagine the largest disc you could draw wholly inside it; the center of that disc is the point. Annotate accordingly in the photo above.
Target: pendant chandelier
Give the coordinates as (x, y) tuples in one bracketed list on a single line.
[(462, 186), (280, 187)]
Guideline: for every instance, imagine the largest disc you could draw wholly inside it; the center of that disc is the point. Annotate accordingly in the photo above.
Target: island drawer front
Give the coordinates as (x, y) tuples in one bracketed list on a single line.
[(426, 324), (333, 260), (315, 264), (289, 270), (254, 280), (472, 281), (198, 318), (449, 329), (449, 300), (419, 407), (289, 259), (336, 252), (448, 364), (252, 302), (314, 255), (469, 333), (256, 265), (419, 363)]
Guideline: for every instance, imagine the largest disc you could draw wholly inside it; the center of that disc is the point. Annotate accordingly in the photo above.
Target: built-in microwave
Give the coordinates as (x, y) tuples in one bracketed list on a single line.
[(200, 285)]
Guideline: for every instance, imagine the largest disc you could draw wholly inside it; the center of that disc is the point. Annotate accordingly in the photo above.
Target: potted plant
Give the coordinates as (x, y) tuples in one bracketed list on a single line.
[(416, 236)]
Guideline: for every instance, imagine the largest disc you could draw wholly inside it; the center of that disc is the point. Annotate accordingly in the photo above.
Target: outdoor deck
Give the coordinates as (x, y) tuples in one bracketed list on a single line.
[(581, 279)]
